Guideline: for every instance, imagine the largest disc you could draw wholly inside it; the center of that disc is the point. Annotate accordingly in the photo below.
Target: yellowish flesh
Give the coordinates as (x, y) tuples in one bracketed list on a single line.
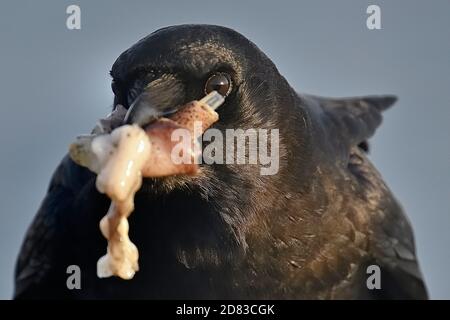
[(119, 159)]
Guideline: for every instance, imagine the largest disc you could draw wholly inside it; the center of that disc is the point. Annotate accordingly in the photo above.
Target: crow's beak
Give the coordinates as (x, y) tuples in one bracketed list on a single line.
[(159, 98)]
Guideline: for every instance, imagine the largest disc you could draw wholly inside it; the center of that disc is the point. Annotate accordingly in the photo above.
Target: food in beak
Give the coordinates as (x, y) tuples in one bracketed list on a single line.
[(122, 155)]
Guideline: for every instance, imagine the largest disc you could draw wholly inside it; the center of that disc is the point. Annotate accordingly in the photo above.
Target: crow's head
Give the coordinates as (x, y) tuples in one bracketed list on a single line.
[(182, 63), (179, 64)]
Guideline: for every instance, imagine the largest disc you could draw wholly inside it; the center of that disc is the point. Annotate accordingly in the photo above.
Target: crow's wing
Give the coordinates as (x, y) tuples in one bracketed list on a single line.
[(348, 122), (394, 251), (390, 235), (34, 274)]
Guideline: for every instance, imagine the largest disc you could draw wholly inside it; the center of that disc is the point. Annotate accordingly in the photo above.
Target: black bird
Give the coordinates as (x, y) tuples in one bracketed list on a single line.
[(308, 232)]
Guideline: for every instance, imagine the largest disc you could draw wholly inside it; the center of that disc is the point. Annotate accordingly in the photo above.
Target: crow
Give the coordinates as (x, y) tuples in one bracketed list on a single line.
[(313, 230)]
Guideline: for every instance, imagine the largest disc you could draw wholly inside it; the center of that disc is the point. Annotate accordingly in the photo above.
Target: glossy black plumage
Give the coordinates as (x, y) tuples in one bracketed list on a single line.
[(307, 232)]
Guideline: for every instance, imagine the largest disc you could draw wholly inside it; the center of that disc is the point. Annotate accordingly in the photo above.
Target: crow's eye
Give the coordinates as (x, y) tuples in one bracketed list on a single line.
[(220, 82)]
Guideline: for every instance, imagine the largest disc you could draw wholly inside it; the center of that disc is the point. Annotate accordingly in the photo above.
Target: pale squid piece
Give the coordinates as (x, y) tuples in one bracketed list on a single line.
[(121, 157)]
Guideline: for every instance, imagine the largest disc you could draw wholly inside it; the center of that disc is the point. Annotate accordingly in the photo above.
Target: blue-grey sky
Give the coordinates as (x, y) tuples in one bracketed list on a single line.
[(54, 84)]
